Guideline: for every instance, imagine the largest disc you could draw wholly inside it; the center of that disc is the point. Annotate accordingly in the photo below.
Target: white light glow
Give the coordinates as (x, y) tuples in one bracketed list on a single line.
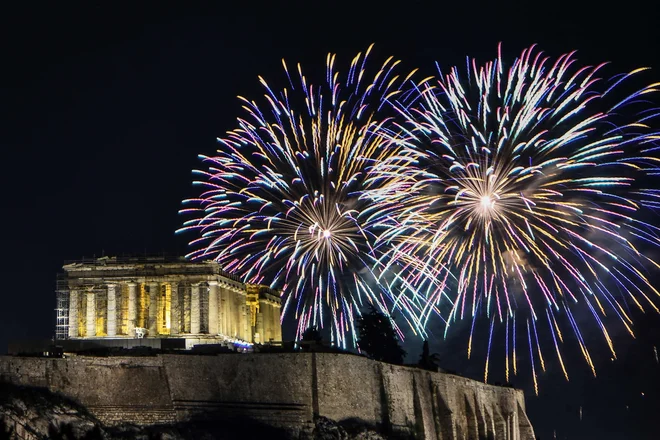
[(486, 202)]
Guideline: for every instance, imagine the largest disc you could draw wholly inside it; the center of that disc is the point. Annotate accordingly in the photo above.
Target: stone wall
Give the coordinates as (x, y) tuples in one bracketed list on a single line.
[(283, 390)]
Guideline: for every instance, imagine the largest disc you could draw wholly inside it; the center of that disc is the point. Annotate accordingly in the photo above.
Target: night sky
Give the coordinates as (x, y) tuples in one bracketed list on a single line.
[(103, 111)]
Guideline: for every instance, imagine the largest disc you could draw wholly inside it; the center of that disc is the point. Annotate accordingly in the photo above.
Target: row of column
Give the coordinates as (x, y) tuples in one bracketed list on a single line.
[(224, 311), (111, 316), (227, 312), (268, 327)]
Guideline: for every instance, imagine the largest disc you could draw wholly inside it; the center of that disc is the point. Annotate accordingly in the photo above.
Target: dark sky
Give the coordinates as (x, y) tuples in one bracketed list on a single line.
[(104, 109)]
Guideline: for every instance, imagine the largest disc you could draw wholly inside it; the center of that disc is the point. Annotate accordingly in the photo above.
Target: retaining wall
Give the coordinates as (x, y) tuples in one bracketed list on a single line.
[(282, 390)]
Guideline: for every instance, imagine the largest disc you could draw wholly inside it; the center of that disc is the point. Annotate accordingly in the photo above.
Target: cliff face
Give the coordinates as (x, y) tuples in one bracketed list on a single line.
[(304, 395), (29, 413)]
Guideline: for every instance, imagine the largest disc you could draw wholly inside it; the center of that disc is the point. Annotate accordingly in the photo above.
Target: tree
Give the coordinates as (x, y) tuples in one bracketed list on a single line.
[(312, 334), (428, 361), (377, 338), (311, 340)]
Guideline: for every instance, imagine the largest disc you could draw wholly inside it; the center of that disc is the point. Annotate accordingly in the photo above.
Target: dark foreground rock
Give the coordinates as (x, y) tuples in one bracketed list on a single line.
[(36, 413), (327, 429)]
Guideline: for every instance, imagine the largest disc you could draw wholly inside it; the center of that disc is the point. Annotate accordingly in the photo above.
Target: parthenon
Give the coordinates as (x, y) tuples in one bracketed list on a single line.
[(125, 297)]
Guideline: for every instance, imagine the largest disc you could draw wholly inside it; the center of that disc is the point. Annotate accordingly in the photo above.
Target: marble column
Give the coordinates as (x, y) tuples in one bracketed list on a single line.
[(237, 313), (175, 310), (229, 311), (247, 321), (112, 310), (271, 321), (247, 325), (222, 302), (277, 333), (264, 307), (74, 296), (195, 305), (221, 310), (516, 426), (274, 321), (269, 316), (154, 296), (132, 308), (213, 308), (260, 324), (91, 314), (242, 321)]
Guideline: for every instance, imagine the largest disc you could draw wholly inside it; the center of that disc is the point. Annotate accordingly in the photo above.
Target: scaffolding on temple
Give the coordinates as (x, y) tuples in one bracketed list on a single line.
[(61, 307)]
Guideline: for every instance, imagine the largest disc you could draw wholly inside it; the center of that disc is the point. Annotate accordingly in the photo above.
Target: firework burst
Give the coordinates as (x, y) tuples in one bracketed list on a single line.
[(281, 201), (525, 196)]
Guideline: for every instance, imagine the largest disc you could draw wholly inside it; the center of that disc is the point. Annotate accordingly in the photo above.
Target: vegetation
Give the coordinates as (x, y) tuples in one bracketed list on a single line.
[(377, 338), (312, 334), (428, 361)]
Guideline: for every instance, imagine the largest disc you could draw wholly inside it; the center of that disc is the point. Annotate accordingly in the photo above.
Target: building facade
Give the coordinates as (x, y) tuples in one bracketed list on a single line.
[(159, 297)]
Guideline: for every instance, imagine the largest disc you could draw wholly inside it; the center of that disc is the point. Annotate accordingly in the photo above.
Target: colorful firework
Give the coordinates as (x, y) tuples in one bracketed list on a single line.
[(525, 195), (281, 198)]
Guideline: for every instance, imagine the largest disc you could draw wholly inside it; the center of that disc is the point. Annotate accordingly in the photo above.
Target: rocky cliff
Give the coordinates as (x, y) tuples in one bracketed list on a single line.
[(293, 395)]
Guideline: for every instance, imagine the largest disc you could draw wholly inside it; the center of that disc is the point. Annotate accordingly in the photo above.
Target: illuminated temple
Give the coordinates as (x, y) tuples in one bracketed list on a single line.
[(113, 298)]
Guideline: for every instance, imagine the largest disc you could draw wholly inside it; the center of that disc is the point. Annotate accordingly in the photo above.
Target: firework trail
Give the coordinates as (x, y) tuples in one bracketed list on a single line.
[(526, 192), (281, 201)]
